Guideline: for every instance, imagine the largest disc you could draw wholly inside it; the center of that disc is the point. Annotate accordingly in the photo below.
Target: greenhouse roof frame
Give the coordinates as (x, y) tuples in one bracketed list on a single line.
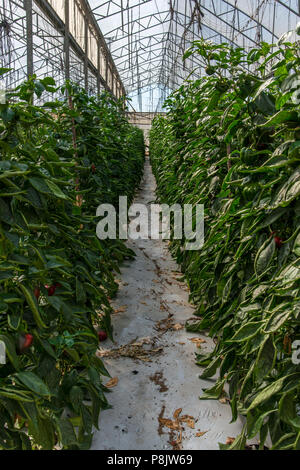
[(132, 47), (136, 33)]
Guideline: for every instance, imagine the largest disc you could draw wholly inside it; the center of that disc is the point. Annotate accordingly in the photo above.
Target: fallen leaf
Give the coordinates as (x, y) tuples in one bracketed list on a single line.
[(121, 309), (169, 424), (197, 341), (164, 325), (178, 326), (112, 383), (189, 420), (223, 401), (177, 413), (159, 380), (142, 341), (230, 440), (176, 425), (134, 349), (200, 434)]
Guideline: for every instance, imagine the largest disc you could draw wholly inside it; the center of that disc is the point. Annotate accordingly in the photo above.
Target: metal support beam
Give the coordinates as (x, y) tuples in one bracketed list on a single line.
[(98, 66), (288, 7), (29, 36), (86, 54), (67, 39), (113, 82)]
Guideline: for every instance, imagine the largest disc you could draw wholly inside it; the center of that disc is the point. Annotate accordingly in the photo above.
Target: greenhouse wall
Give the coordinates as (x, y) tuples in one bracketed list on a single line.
[(58, 39)]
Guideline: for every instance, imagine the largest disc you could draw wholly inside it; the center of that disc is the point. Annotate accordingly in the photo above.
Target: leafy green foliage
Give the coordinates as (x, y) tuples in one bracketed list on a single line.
[(230, 141), (58, 163)]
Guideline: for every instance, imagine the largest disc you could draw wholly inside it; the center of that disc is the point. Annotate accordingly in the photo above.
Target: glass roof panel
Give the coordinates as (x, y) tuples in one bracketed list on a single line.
[(147, 38)]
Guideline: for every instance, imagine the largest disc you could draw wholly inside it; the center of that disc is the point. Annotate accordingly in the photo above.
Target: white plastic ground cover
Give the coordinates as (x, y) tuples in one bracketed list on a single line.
[(152, 361)]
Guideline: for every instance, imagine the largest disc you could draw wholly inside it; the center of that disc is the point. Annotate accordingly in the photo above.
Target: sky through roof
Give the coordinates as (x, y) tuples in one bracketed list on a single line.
[(147, 38)]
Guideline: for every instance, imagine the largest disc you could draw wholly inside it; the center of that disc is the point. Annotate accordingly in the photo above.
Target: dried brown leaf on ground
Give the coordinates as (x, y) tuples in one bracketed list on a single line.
[(189, 420), (230, 440), (142, 341), (121, 309), (223, 400), (134, 350), (112, 383), (198, 341), (175, 425), (165, 324), (177, 413), (200, 434), (170, 424), (179, 440), (159, 380), (178, 277), (178, 326), (160, 425), (176, 273)]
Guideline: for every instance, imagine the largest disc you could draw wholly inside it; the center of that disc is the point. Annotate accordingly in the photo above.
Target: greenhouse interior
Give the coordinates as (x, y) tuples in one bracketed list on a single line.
[(150, 227)]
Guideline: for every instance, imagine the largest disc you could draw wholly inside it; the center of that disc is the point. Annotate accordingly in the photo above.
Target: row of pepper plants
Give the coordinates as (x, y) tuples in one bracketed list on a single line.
[(231, 141), (59, 161)]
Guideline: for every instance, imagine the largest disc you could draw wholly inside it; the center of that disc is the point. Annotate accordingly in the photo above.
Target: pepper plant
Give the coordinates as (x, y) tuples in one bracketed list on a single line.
[(58, 163), (231, 141)]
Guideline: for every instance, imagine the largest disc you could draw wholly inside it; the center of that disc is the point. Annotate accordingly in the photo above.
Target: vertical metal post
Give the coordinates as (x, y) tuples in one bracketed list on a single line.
[(98, 66), (184, 34), (86, 54), (112, 81), (273, 25), (122, 15), (67, 40), (106, 71), (29, 36)]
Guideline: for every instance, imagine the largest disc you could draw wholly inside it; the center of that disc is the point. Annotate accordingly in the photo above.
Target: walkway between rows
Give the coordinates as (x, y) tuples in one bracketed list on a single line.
[(156, 387)]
